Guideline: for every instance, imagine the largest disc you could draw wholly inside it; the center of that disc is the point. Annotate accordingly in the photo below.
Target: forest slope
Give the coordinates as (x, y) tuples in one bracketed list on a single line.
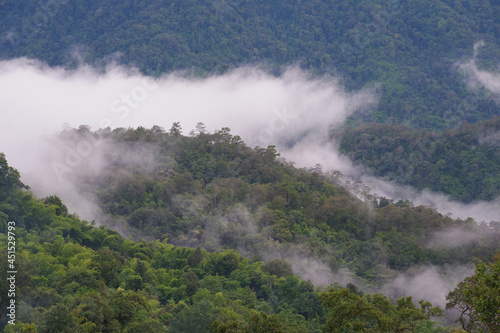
[(213, 191), (73, 277), (464, 162)]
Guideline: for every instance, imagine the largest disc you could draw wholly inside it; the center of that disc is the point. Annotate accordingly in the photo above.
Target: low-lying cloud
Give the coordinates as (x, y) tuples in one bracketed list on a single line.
[(480, 211), (452, 238), (251, 102), (429, 283), (38, 101), (293, 112)]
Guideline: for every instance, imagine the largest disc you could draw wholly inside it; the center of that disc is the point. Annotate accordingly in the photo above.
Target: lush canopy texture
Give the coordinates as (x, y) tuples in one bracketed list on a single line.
[(203, 233), (409, 52), (75, 277), (464, 162), (215, 191), (478, 298)]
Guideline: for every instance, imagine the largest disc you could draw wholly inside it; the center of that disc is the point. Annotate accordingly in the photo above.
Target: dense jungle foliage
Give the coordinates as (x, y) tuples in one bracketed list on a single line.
[(464, 162), (478, 314), (216, 236), (407, 50), (75, 277), (214, 191)]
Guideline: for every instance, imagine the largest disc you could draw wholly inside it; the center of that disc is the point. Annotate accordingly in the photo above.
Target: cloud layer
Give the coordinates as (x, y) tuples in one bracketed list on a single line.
[(38, 101), (293, 112), (478, 77), (249, 101)]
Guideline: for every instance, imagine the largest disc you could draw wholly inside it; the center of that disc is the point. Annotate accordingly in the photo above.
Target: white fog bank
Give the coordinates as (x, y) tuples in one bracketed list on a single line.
[(293, 112)]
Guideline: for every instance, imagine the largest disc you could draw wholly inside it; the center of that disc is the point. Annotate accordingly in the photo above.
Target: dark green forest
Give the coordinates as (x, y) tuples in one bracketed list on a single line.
[(464, 162), (408, 52), (214, 191)]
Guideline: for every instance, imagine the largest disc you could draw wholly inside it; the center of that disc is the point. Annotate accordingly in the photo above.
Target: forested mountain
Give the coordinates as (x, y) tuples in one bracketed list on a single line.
[(214, 191), (202, 233), (407, 50), (74, 277)]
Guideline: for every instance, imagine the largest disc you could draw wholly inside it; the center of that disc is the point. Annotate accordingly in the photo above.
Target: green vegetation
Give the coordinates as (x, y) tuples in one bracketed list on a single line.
[(203, 212), (464, 162), (408, 50), (213, 191), (478, 298), (75, 277), (373, 313)]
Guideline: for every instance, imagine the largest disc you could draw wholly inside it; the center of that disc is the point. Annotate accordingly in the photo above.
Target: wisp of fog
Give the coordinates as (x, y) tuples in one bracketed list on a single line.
[(293, 112), (478, 77)]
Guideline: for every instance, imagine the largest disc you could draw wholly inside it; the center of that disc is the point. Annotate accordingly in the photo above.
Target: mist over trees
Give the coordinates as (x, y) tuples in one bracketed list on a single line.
[(76, 277), (202, 232), (416, 56), (212, 190), (477, 298)]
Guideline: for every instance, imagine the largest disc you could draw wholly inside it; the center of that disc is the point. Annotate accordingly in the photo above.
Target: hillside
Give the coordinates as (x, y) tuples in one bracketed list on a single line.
[(73, 277), (409, 53), (213, 191), (464, 162), (407, 50), (135, 229)]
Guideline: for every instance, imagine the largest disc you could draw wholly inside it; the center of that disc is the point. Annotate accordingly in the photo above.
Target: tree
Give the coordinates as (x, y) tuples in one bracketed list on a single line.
[(350, 312), (127, 305), (157, 129), (59, 319), (191, 282), (176, 129), (259, 322), (195, 258), (54, 200), (224, 263), (9, 178), (95, 314), (478, 298), (20, 327), (279, 267), (194, 319), (201, 128)]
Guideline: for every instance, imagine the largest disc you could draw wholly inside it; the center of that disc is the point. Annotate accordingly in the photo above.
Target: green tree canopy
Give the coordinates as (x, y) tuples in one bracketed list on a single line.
[(478, 298)]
